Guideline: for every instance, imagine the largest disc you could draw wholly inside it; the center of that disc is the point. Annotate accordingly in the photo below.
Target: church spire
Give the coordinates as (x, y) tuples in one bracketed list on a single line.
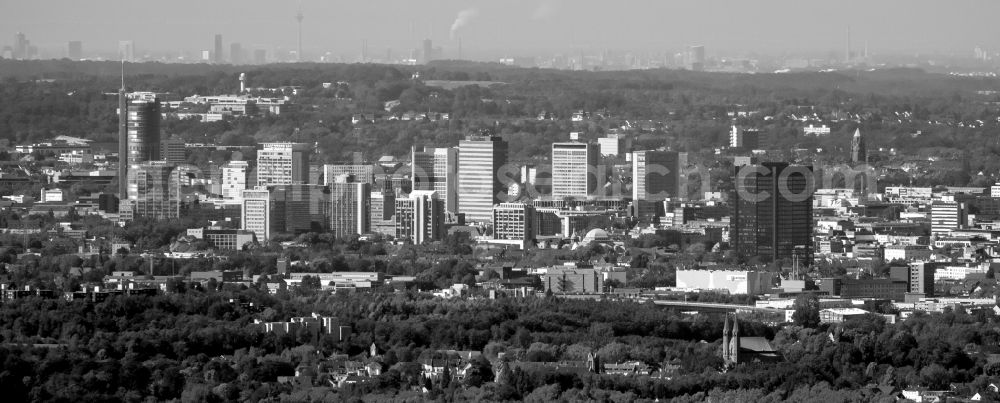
[(859, 151), (725, 341), (734, 344)]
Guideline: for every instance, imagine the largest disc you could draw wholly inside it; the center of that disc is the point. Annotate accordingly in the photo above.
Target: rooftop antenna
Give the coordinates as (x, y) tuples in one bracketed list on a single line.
[(298, 17)]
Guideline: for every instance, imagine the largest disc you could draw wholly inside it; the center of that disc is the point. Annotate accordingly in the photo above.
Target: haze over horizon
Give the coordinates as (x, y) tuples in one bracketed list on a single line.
[(513, 27)]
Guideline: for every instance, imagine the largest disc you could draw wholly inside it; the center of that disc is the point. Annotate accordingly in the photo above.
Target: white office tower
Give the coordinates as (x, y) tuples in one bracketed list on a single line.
[(257, 212), (234, 181), (283, 164), (480, 158), (572, 163)]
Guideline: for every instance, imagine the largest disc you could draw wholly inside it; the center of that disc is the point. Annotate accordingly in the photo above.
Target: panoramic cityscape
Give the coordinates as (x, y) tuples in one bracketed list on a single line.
[(526, 201)]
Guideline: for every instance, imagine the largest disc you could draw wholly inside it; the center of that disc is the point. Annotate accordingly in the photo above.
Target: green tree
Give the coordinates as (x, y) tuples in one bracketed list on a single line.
[(806, 310)]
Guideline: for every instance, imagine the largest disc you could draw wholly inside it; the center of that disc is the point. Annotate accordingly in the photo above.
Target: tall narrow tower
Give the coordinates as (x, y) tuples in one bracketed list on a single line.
[(847, 47), (122, 137), (298, 17), (859, 151)]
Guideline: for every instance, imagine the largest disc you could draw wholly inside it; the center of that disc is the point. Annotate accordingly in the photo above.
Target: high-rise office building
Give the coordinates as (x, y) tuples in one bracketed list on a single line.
[(382, 209), (283, 164), (153, 191), (480, 159), (656, 175), (772, 212), (173, 150), (217, 55), (74, 51), (695, 58), (259, 56), (436, 169), (364, 173), (235, 53), (126, 51), (143, 127), (234, 180), (428, 51), (948, 215), (307, 207), (420, 217), (260, 213), (574, 166), (349, 208), (21, 45), (513, 223)]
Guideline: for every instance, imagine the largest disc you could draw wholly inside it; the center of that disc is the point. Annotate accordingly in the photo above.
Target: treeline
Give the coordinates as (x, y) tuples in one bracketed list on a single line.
[(201, 344)]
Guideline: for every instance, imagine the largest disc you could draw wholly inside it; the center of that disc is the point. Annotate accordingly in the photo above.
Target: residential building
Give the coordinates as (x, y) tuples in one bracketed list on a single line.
[(922, 278), (283, 164), (906, 252), (420, 217), (772, 212), (574, 170), (480, 159)]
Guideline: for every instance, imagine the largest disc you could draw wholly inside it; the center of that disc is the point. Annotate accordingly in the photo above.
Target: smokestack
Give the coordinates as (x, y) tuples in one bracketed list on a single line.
[(847, 54), (460, 47)]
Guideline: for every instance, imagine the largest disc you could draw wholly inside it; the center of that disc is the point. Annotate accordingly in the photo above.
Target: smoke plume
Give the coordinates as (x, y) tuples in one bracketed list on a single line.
[(464, 18)]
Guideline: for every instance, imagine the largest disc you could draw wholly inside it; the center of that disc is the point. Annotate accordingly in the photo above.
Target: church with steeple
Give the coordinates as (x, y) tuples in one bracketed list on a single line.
[(737, 350)]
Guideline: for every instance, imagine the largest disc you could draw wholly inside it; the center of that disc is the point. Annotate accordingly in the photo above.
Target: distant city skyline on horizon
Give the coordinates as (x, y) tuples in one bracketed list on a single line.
[(485, 28)]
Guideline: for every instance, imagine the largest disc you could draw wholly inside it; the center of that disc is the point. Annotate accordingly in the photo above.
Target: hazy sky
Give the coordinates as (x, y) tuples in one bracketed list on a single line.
[(340, 26)]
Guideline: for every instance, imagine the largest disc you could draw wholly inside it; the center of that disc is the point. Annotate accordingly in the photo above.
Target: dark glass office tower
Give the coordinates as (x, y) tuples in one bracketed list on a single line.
[(772, 212)]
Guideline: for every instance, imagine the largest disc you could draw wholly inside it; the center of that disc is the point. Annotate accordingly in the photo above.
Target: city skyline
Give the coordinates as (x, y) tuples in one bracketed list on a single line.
[(484, 27)]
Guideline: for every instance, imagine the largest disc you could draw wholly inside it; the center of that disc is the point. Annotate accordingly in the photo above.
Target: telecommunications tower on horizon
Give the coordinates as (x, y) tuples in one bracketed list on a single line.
[(298, 17)]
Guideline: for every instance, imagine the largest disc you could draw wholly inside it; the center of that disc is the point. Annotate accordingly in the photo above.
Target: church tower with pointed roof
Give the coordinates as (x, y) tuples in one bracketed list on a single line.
[(859, 151)]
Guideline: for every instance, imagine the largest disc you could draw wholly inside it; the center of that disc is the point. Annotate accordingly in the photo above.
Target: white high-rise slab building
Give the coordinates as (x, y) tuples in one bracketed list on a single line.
[(283, 164), (572, 163), (480, 159), (234, 180)]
